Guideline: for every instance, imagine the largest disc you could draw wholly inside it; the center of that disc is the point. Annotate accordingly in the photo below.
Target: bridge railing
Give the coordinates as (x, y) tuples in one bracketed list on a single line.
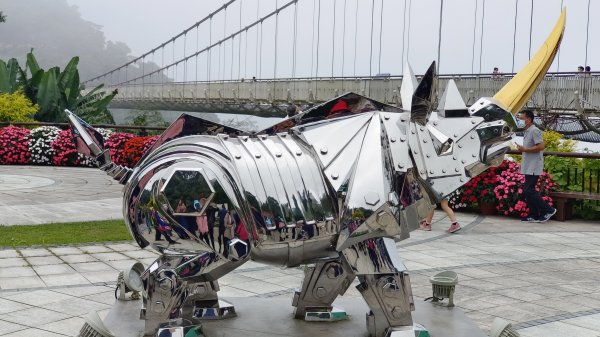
[(556, 92)]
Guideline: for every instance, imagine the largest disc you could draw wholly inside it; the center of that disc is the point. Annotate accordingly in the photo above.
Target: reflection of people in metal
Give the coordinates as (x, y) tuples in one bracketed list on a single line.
[(161, 228), (182, 219), (211, 216), (221, 238), (228, 232)]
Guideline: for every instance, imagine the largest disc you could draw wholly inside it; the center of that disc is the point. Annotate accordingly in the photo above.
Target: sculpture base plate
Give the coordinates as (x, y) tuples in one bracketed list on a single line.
[(219, 310), (263, 317), (325, 314)]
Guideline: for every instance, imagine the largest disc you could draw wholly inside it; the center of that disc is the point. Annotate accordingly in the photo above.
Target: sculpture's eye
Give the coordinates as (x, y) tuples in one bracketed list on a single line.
[(491, 112)]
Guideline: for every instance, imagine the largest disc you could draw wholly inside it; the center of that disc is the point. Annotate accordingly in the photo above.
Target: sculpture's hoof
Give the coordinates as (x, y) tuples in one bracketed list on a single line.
[(174, 330), (325, 314), (417, 330), (220, 309)]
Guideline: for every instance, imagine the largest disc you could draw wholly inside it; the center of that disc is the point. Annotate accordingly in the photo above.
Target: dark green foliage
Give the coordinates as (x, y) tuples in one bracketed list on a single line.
[(54, 91)]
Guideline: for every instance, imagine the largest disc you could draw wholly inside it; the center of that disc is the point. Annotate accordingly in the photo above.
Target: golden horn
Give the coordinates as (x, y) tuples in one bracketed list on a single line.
[(519, 89)]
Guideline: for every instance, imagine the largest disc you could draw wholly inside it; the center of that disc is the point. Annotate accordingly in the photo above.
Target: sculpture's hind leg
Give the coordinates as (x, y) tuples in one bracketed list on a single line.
[(322, 283), (385, 286), (176, 295)]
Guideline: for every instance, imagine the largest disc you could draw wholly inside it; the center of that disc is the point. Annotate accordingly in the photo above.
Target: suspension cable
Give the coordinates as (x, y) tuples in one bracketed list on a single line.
[(333, 37), (355, 35), (408, 36), (295, 40), (318, 39), (224, 46), (162, 45), (530, 28), (371, 49), (258, 22), (197, 46), (587, 33), (481, 38), (257, 43), (474, 32), (403, 34), (380, 34), (312, 43), (558, 56), (344, 41), (276, 34), (515, 36), (240, 44), (440, 36)]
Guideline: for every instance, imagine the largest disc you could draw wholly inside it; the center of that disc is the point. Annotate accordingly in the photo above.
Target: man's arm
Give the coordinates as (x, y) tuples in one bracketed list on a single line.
[(534, 149)]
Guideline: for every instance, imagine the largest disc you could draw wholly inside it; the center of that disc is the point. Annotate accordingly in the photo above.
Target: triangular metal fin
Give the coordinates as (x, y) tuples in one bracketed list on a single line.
[(422, 103), (407, 89)]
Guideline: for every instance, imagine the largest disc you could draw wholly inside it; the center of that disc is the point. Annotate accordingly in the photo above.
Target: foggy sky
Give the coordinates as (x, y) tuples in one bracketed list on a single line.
[(143, 25)]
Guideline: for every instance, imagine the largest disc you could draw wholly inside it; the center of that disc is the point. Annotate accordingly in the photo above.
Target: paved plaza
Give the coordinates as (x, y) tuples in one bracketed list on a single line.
[(542, 277)]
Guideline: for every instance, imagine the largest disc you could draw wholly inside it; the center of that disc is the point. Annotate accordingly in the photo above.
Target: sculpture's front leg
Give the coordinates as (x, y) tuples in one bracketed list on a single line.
[(322, 283), (385, 286)]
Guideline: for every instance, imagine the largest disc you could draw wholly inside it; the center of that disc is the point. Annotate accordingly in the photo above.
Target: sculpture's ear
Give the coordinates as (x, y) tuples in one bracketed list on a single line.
[(422, 99), (451, 103), (408, 87), (517, 91)]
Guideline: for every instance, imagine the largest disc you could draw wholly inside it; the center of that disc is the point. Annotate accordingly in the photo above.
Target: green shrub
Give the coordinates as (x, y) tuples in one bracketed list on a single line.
[(16, 107)]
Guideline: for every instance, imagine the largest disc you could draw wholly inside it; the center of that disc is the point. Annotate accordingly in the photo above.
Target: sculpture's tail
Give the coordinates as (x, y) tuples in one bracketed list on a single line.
[(88, 141)]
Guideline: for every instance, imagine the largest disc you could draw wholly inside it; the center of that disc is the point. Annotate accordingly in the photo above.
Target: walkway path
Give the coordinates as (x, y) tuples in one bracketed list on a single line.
[(542, 277), (41, 194)]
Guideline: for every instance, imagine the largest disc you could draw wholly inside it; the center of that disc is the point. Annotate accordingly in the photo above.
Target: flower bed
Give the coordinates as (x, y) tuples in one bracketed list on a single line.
[(14, 145), (48, 145), (501, 185)]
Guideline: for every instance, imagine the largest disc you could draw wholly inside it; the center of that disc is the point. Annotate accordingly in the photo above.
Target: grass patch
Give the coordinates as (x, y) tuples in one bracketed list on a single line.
[(63, 233)]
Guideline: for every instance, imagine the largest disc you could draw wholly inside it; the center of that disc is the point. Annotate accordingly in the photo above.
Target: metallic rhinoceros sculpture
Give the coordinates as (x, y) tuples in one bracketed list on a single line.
[(332, 188)]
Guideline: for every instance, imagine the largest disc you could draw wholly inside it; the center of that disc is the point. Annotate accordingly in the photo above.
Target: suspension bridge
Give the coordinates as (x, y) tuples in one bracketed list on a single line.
[(257, 58)]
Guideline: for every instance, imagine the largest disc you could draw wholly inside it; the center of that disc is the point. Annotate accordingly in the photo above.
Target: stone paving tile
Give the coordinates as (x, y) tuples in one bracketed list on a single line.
[(21, 282), (62, 251), (122, 247), (43, 260), (53, 269), (104, 276), (4, 253), (25, 317), (106, 297), (34, 332), (78, 258), (34, 252), (13, 262), (10, 306), (16, 271), (121, 264), (95, 249), (68, 327), (91, 267), (81, 291), (557, 329), (38, 297), (141, 254), (8, 327), (64, 280), (75, 306), (105, 257)]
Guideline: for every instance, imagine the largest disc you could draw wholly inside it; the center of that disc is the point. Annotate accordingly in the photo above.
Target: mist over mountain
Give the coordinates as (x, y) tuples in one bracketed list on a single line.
[(57, 32)]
